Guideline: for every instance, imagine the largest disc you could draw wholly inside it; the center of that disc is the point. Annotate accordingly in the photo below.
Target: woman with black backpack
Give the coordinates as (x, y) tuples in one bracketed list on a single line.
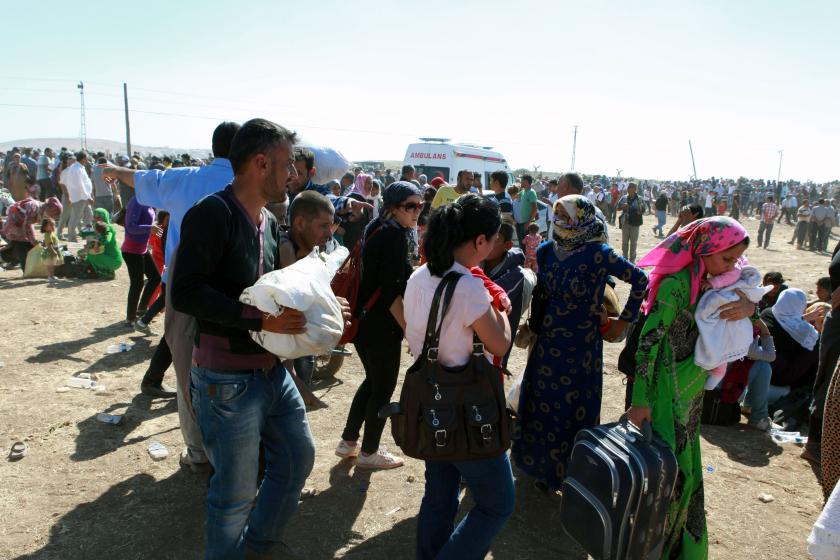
[(385, 271), (460, 235)]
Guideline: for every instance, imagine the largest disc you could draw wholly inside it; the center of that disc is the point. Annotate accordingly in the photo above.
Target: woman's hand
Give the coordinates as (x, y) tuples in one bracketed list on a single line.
[(762, 328), (638, 415), (737, 310), (615, 330)]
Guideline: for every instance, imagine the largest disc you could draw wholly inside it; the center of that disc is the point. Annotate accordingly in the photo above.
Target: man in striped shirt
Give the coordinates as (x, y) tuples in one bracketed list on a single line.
[(769, 212)]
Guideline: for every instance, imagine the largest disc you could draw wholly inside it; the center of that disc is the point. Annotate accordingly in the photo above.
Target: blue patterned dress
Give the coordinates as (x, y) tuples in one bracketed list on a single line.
[(561, 389)]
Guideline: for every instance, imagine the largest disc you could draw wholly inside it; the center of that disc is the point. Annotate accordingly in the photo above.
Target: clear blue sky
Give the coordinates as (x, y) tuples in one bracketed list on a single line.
[(742, 80)]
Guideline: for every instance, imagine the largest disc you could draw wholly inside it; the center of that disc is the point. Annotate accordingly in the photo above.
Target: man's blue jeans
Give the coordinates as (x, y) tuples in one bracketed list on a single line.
[(236, 411), (661, 218), (490, 482)]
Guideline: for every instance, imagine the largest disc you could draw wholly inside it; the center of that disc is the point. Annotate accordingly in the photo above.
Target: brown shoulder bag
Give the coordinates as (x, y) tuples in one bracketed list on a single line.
[(447, 414)]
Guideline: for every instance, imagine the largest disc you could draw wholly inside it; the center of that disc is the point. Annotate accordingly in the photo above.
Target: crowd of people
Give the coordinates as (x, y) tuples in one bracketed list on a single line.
[(197, 233)]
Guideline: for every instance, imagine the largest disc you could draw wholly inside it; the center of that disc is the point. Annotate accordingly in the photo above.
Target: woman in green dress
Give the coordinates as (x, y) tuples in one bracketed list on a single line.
[(110, 259), (668, 389)]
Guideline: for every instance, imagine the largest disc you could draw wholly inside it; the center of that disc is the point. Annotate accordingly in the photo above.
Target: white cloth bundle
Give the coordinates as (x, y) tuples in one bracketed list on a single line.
[(721, 341), (305, 286), (824, 540), (330, 164)]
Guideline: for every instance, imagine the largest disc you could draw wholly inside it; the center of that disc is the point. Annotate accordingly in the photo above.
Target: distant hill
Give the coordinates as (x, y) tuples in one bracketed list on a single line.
[(98, 145)]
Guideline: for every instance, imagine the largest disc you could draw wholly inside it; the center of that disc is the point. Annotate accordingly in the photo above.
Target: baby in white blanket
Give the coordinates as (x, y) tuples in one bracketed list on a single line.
[(721, 341)]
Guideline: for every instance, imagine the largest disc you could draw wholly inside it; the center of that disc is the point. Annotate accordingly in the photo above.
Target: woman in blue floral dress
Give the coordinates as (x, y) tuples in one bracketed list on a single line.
[(561, 388)]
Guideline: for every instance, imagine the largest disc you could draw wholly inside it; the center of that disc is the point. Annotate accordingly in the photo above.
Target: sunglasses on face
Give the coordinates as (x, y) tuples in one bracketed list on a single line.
[(411, 206)]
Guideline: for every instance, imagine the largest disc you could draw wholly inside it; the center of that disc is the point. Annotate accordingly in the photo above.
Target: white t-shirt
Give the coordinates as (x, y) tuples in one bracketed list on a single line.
[(79, 185), (469, 302)]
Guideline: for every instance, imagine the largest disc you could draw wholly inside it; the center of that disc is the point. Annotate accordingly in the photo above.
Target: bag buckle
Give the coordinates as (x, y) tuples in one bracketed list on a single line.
[(487, 433), (478, 349), (440, 438), (432, 354)]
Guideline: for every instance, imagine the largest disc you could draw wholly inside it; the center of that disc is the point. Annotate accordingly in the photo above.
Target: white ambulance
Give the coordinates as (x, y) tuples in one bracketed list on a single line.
[(437, 157)]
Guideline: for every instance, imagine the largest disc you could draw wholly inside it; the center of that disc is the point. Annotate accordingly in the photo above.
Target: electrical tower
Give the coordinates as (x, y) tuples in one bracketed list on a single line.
[(83, 132)]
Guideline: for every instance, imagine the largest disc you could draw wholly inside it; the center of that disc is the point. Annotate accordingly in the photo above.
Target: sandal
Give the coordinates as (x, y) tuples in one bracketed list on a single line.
[(18, 451)]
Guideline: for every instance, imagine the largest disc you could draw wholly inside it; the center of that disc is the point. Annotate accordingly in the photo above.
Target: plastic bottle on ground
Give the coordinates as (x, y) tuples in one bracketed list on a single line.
[(117, 348)]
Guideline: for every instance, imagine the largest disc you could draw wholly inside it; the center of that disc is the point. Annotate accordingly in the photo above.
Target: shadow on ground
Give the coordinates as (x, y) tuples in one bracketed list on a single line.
[(138, 518), (96, 439), (742, 444), (66, 350)]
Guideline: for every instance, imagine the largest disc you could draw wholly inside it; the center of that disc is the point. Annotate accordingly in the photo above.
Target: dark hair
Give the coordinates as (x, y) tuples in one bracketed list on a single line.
[(506, 232), (774, 278), (476, 175), (696, 210), (102, 160), (824, 282), (46, 221), (407, 170), (574, 180), (457, 223), (467, 171), (528, 178), (533, 227), (309, 205), (501, 177), (348, 175), (257, 136), (223, 137), (305, 155), (81, 156)]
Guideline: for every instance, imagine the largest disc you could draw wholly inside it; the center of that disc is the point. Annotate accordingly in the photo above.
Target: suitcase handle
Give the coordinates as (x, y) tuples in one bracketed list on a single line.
[(645, 429)]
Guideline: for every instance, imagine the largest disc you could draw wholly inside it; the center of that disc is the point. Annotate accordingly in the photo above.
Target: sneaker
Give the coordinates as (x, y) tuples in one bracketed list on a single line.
[(764, 425), (345, 450), (142, 327), (161, 391), (379, 460)]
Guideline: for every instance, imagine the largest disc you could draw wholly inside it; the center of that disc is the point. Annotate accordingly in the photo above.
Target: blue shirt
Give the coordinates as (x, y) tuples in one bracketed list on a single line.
[(177, 190)]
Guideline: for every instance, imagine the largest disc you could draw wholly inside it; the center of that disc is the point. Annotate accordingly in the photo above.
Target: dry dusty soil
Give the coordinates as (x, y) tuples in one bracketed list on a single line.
[(89, 490)]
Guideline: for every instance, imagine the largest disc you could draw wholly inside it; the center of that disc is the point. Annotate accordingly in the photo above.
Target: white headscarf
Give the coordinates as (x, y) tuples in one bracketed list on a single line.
[(788, 312)]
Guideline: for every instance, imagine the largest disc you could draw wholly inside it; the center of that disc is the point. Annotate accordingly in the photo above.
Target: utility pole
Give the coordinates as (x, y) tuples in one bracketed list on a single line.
[(83, 132), (127, 125), (779, 174), (693, 167), (574, 148)]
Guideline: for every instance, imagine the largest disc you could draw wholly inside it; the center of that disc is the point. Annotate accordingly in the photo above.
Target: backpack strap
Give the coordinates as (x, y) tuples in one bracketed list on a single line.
[(445, 291)]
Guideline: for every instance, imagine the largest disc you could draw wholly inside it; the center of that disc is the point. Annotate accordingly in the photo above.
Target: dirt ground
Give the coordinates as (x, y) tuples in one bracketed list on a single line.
[(89, 490)]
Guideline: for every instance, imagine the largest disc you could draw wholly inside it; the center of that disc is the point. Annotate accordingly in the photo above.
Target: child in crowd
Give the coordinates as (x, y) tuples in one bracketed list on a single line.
[(51, 254), (531, 242), (721, 341)]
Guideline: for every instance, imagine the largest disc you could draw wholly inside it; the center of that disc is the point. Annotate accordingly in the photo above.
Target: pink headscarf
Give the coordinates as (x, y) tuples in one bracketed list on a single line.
[(685, 247), (359, 184)]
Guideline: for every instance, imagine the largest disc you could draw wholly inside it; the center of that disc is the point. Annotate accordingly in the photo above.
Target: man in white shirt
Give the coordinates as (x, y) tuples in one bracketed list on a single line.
[(789, 206), (79, 191)]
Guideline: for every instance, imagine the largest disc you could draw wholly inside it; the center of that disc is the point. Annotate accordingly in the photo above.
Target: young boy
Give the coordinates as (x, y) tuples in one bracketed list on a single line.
[(505, 266)]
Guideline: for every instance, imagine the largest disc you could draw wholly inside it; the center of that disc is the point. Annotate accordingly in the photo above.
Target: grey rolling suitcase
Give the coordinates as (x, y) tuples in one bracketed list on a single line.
[(617, 491)]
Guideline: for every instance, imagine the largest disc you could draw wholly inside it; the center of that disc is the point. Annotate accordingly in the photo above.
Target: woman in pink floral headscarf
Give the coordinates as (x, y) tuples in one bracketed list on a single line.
[(668, 387)]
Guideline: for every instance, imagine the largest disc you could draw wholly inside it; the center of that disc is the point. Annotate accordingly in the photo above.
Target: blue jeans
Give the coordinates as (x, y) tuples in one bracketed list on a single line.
[(491, 484), (661, 218), (760, 393), (235, 412)]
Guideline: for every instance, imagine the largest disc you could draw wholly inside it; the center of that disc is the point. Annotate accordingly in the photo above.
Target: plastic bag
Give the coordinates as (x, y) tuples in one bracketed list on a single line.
[(305, 286), (330, 164), (36, 264), (514, 392)]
